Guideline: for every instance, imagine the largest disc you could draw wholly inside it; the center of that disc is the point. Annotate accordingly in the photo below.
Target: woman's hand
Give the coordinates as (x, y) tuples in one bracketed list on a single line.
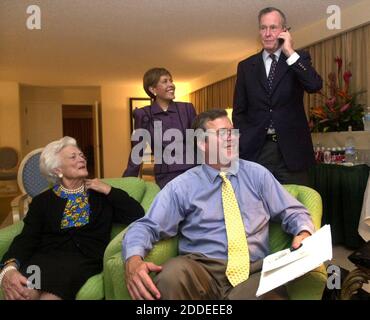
[(14, 286), (97, 185)]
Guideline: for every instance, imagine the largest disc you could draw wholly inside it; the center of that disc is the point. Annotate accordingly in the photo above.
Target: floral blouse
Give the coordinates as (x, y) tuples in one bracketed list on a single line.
[(77, 210)]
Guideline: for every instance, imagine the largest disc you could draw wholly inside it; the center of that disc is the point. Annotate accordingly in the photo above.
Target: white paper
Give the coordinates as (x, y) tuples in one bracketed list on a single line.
[(284, 266), (282, 258)]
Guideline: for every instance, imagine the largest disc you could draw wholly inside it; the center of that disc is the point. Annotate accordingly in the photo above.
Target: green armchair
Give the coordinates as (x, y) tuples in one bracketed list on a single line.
[(308, 287), (93, 289)]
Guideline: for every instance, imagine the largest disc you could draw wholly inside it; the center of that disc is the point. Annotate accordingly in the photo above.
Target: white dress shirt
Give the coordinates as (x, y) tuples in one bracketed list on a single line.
[(267, 60)]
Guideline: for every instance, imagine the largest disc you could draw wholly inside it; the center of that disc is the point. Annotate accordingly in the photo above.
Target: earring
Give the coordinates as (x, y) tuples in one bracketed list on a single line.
[(60, 175)]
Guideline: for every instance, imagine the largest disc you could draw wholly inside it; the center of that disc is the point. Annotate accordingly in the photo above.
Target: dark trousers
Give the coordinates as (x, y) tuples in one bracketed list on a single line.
[(272, 159), (196, 277)]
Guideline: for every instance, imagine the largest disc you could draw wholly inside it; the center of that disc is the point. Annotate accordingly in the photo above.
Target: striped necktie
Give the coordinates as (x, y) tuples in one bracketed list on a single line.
[(271, 76), (237, 269)]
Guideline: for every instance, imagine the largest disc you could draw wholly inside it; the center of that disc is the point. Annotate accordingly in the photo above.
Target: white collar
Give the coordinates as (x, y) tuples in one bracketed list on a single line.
[(266, 55)]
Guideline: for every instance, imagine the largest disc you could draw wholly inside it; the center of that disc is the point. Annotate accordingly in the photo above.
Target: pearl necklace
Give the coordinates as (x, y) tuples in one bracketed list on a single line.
[(73, 191)]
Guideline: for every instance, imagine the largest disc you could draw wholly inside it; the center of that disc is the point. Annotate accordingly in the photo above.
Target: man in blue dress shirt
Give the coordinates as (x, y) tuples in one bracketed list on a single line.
[(190, 206)]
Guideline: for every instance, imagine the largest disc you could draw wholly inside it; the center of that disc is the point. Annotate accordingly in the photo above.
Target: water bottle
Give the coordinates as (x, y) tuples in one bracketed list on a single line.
[(322, 154), (334, 154), (366, 120), (317, 150), (342, 155), (327, 156), (350, 151)]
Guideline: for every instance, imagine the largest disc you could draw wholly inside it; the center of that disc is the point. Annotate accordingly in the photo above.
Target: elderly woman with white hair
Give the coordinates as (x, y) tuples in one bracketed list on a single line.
[(66, 228)]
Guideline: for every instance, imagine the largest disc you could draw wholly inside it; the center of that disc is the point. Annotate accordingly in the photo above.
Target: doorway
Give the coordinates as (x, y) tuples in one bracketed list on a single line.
[(79, 122)]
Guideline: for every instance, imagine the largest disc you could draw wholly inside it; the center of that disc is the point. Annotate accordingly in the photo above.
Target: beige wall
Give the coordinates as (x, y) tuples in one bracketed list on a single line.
[(62, 95), (116, 126), (45, 103), (368, 77), (10, 126)]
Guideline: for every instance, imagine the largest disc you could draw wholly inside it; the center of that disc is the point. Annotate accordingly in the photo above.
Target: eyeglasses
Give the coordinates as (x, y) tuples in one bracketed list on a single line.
[(273, 28), (225, 133)]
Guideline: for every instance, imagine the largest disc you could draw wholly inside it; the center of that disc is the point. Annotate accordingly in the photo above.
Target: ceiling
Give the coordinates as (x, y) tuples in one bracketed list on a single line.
[(95, 42)]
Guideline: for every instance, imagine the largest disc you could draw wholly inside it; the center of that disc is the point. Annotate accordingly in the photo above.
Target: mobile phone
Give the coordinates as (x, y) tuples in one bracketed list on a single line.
[(281, 41)]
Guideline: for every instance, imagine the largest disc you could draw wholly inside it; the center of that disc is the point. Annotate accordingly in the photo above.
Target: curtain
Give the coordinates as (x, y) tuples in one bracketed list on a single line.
[(217, 95)]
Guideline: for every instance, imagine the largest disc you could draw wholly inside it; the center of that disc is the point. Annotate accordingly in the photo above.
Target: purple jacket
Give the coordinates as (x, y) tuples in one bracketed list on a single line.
[(179, 115)]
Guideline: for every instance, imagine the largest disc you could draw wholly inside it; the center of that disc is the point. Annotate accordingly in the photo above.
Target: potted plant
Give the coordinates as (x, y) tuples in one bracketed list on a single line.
[(339, 108)]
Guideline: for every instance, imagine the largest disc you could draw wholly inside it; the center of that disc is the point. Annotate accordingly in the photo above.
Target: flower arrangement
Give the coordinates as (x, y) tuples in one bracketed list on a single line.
[(339, 109)]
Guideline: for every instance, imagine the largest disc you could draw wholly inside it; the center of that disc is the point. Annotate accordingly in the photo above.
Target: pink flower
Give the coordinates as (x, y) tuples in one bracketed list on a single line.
[(347, 76), (339, 62), (345, 107)]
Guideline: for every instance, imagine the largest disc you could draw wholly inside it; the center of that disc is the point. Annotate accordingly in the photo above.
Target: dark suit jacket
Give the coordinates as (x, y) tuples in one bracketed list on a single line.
[(42, 233), (253, 108)]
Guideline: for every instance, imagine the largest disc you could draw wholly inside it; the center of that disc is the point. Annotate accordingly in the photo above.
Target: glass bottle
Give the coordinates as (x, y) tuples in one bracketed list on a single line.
[(350, 151)]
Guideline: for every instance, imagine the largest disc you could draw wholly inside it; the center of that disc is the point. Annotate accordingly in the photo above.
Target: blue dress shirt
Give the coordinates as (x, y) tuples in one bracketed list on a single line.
[(190, 206)]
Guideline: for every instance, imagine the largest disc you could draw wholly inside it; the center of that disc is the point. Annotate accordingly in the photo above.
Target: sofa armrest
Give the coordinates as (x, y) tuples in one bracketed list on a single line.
[(151, 190), (7, 235), (93, 289), (310, 286), (114, 268)]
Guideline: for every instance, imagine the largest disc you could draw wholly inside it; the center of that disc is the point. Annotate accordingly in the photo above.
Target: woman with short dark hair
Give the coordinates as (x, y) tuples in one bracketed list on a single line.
[(159, 86)]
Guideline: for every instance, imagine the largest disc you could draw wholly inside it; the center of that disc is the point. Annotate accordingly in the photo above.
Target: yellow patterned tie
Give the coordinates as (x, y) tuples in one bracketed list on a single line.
[(237, 269)]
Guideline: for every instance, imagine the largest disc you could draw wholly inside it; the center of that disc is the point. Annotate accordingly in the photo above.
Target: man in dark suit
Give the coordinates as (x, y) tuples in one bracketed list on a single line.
[(268, 102)]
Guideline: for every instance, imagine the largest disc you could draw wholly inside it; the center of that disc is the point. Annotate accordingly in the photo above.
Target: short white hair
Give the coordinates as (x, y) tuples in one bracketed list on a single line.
[(49, 159)]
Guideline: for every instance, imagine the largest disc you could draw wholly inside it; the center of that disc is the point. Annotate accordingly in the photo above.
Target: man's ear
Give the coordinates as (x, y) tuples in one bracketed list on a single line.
[(201, 143)]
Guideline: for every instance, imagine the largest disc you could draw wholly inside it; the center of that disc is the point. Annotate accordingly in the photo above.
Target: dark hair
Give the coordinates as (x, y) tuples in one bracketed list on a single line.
[(151, 78), (202, 118), (272, 9)]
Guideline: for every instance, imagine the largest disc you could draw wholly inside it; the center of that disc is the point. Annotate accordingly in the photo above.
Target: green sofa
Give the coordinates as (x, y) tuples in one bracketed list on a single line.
[(93, 289), (308, 287)]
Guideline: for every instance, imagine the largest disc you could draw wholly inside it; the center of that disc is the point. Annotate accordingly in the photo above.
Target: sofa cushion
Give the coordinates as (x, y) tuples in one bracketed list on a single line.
[(134, 186)]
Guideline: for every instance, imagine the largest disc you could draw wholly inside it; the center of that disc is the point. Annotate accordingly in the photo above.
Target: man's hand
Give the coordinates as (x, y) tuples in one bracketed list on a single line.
[(298, 238), (97, 185), (287, 46), (139, 284), (14, 286)]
